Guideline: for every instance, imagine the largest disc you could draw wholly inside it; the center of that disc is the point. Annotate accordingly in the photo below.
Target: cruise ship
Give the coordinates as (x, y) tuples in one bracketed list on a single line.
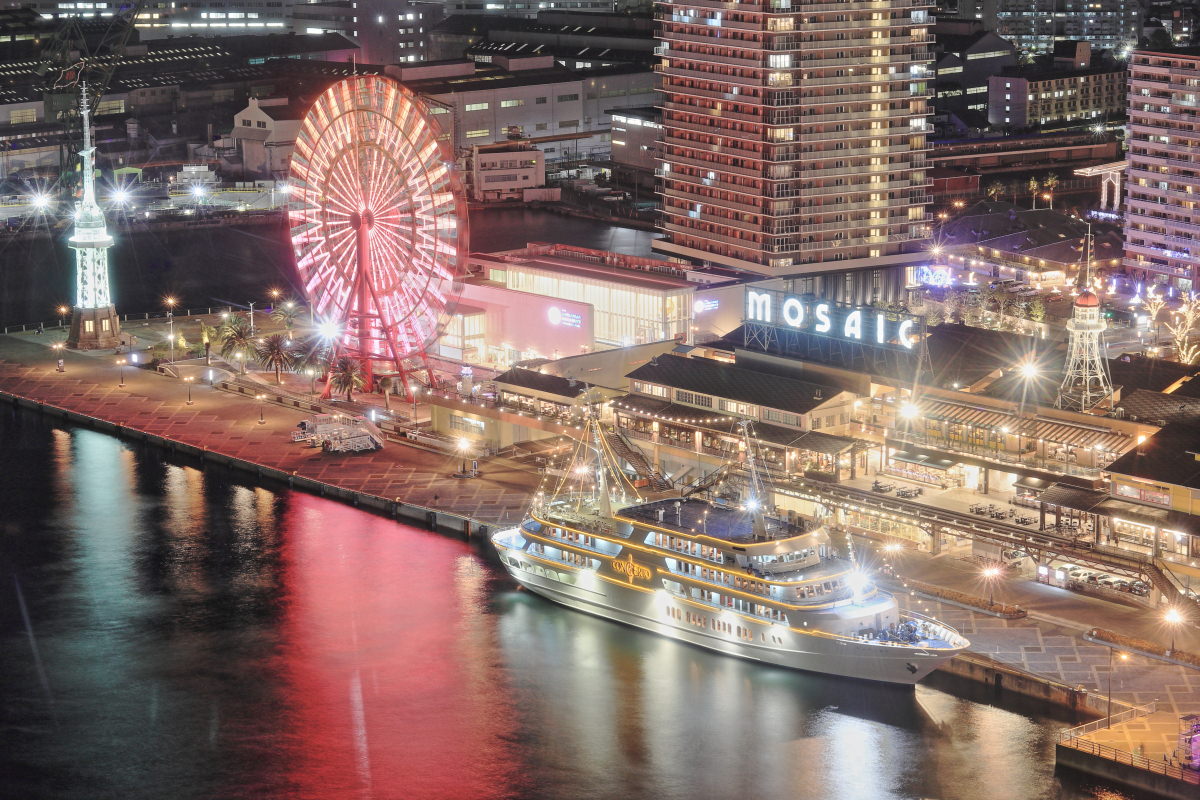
[(712, 567)]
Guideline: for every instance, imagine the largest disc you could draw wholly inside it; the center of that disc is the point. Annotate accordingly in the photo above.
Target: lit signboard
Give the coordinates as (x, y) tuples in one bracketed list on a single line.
[(700, 306), (863, 325), (934, 276), (567, 319)]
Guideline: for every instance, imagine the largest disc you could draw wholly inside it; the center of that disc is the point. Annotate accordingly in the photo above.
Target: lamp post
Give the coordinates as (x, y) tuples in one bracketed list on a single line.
[(312, 380), (262, 401), (463, 447), (251, 317), (58, 348), (990, 574), (416, 390), (62, 312), (188, 380), (1173, 618), (170, 303), (1124, 657), (121, 368)]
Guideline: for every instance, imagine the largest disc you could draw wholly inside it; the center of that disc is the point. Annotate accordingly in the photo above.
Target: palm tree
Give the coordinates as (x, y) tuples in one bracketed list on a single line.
[(995, 189), (288, 312), (311, 352), (275, 352), (236, 341), (346, 375), (1033, 190), (386, 385), (208, 334), (1050, 183)]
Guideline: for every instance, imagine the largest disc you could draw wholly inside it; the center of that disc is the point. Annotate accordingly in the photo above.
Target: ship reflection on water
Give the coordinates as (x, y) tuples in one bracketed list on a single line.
[(188, 635)]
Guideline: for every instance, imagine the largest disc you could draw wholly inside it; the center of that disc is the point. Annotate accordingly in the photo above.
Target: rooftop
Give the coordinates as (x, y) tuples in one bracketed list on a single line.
[(1169, 456), (540, 382), (698, 517), (731, 382)]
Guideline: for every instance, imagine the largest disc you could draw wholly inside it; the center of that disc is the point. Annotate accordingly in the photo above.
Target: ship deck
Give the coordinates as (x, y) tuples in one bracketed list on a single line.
[(698, 517)]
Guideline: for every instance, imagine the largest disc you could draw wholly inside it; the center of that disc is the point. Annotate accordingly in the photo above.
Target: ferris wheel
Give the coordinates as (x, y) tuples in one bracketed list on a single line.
[(378, 223)]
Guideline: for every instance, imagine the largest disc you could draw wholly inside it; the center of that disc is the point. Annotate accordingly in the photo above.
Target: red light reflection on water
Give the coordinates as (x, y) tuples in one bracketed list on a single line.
[(389, 661)]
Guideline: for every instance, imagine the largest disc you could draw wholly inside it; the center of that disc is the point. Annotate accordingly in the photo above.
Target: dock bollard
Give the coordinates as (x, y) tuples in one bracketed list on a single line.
[(431, 520)]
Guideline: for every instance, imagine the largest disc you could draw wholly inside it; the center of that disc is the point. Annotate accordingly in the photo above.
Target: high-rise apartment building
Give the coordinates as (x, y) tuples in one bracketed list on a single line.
[(1035, 25), (794, 132), (1162, 212)]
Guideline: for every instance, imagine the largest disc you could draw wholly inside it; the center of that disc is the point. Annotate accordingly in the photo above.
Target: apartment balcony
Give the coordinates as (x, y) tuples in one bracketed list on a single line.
[(671, 109), (837, 244), (866, 79), (677, 178), (696, 197), (1136, 159), (678, 70), (668, 20), (699, 163), (712, 129), (753, 62), (892, 60), (856, 5), (1136, 126), (855, 24), (712, 237), (1177, 259), (713, 94), (711, 40), (859, 188)]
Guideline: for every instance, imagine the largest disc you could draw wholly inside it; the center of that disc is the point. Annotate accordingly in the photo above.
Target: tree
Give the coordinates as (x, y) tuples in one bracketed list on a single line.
[(386, 385), (1037, 309), (346, 375), (236, 341), (208, 335), (1154, 307), (994, 190), (275, 353), (1033, 190), (1050, 183), (1182, 325), (287, 313)]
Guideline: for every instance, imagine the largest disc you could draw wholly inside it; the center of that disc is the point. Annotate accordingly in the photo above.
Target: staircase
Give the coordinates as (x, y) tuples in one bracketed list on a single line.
[(628, 451), (1164, 581)]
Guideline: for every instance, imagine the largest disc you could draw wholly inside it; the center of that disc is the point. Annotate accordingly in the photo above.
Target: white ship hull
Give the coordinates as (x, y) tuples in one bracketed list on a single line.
[(715, 628)]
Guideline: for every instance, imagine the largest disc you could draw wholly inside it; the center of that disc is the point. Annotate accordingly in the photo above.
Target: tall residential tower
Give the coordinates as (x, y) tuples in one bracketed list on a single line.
[(794, 132), (94, 322)]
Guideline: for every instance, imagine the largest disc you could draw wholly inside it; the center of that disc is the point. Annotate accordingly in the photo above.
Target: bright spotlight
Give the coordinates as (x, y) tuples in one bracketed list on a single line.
[(198, 191), (857, 581), (120, 197), (40, 201), (329, 330), (909, 410), (1029, 370)]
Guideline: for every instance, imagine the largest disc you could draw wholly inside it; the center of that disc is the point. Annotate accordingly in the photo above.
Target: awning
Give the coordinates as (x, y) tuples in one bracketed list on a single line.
[(1072, 497), (1036, 484), (923, 460), (965, 415), (1076, 435)]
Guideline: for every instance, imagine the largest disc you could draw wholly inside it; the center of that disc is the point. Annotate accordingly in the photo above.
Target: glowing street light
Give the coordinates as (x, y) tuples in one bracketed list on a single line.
[(1029, 370), (39, 201), (62, 312), (170, 302), (329, 330), (188, 380), (312, 380), (1124, 657), (416, 391), (990, 574), (909, 410), (1173, 618), (121, 367), (262, 401), (464, 445), (199, 192), (58, 348)]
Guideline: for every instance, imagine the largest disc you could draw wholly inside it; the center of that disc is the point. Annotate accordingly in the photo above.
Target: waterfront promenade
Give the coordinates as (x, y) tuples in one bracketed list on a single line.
[(1049, 643)]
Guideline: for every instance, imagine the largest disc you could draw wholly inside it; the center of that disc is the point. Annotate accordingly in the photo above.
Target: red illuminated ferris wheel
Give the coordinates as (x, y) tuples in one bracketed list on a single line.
[(378, 222)]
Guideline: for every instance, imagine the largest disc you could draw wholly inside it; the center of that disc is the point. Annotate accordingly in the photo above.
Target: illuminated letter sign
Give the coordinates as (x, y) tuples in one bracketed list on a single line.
[(822, 314), (758, 306), (631, 569), (905, 333), (793, 312), (853, 326)]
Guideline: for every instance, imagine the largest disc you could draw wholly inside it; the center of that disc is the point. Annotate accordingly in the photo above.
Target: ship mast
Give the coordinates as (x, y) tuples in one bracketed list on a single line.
[(603, 501), (755, 486)]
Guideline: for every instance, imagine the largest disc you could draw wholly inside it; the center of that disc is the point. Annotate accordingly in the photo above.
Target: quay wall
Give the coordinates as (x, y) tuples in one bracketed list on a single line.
[(425, 516), (1008, 680), (1127, 774)]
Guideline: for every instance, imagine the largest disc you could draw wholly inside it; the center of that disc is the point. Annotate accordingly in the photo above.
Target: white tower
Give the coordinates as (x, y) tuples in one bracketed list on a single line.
[(1085, 380), (94, 322)]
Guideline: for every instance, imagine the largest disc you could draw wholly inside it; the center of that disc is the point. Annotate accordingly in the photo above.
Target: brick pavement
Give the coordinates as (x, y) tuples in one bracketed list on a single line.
[(229, 424)]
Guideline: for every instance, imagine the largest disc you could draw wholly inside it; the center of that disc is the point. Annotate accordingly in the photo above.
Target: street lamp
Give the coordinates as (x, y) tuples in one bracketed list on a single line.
[(170, 303), (62, 312), (58, 348), (121, 367), (463, 447), (262, 401), (251, 317), (312, 380), (990, 574), (1173, 618), (188, 380), (1124, 657), (416, 390), (274, 296)]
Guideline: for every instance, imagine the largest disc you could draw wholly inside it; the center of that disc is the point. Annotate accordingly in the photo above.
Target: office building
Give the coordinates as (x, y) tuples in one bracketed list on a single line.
[(1035, 96), (1162, 211), (1035, 25), (794, 134)]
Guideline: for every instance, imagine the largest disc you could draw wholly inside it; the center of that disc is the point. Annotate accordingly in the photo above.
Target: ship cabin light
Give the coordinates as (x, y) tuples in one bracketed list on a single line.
[(858, 582)]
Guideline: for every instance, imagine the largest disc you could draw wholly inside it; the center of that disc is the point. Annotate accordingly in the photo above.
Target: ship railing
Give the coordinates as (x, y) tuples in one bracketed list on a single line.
[(946, 633)]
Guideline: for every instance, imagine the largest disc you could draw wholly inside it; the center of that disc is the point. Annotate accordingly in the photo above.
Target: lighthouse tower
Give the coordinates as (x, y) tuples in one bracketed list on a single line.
[(94, 323), (1085, 381)]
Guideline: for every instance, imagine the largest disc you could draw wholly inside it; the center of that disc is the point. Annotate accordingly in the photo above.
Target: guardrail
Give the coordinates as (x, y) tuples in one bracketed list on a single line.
[(1106, 721), (1131, 759), (145, 315)]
